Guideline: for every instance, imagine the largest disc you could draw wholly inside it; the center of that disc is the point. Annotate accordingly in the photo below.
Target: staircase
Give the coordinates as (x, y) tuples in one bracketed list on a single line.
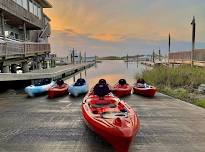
[(45, 32)]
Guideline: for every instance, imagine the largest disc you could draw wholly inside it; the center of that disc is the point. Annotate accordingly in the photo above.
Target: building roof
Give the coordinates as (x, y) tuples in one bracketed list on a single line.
[(44, 3)]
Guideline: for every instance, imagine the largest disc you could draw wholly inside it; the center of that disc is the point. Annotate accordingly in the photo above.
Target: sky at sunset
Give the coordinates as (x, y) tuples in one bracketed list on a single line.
[(120, 27)]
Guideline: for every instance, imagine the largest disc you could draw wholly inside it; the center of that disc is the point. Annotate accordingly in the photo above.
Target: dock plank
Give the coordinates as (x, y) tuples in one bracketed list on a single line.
[(38, 124)]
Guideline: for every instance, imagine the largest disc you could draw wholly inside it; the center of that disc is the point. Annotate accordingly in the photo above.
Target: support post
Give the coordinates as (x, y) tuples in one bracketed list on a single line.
[(3, 25), (39, 65), (5, 69), (13, 68), (24, 30), (25, 67)]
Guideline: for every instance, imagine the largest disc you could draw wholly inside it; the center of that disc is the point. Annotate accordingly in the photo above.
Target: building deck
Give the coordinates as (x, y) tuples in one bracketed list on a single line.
[(53, 73)]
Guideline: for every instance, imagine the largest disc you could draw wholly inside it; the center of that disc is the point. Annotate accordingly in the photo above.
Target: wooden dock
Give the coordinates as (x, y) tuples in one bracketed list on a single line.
[(153, 64), (43, 125), (148, 63), (52, 73)]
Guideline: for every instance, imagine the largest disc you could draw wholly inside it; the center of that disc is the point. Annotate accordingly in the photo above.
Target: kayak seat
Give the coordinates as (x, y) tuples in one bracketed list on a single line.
[(101, 90), (80, 82), (122, 82), (38, 84), (60, 82), (140, 85)]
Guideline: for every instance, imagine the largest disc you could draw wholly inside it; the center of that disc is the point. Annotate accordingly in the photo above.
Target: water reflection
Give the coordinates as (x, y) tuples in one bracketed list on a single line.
[(112, 71)]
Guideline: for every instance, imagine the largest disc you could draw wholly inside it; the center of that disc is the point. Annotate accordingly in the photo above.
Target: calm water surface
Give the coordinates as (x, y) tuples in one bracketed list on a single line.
[(112, 71)]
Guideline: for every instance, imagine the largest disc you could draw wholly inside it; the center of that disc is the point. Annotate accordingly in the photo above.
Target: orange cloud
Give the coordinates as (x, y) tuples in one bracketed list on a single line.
[(107, 37)]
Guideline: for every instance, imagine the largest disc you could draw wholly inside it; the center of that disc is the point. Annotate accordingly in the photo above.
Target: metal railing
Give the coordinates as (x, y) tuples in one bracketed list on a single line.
[(9, 50)]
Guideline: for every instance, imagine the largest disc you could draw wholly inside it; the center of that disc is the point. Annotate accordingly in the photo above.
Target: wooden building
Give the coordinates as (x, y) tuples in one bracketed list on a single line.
[(24, 31)]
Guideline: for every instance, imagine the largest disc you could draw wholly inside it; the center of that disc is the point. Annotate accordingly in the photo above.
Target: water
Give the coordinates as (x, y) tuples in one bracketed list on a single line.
[(112, 71)]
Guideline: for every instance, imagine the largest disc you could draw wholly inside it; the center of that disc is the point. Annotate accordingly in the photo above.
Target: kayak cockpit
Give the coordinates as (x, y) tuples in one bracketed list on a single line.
[(114, 115), (108, 108)]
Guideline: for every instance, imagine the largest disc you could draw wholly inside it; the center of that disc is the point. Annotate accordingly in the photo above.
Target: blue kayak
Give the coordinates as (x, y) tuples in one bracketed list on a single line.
[(78, 90), (33, 90)]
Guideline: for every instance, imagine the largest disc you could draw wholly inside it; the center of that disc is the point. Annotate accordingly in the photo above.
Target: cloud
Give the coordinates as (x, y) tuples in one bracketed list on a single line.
[(124, 26), (63, 41), (108, 37)]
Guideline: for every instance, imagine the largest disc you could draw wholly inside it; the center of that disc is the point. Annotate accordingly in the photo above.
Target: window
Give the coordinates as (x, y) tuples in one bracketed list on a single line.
[(39, 12), (35, 10), (30, 6), (19, 2), (25, 4)]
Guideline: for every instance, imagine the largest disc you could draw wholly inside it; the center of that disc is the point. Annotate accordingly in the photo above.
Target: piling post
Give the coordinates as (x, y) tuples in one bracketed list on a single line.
[(73, 56), (153, 58), (137, 60), (85, 57), (159, 54), (95, 59), (80, 58), (85, 73), (169, 47), (193, 39)]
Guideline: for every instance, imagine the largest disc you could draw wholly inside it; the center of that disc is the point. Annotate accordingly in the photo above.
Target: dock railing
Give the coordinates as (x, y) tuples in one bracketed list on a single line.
[(9, 50)]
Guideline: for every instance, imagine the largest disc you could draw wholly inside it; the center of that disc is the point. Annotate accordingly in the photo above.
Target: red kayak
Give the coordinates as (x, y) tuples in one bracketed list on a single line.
[(146, 91), (58, 91), (112, 119), (122, 90)]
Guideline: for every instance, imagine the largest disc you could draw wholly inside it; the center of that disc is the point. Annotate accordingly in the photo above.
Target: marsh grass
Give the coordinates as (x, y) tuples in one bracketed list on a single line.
[(179, 82), (200, 103), (181, 76)]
